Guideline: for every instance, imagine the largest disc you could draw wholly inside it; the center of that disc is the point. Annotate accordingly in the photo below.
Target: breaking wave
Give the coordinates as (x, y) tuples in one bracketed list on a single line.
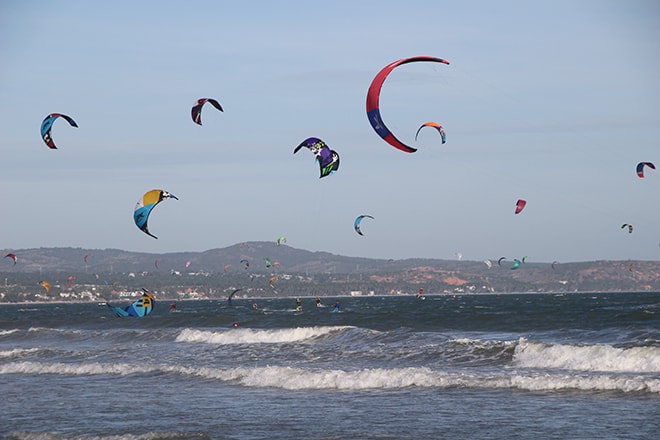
[(294, 378), (597, 358), (256, 336)]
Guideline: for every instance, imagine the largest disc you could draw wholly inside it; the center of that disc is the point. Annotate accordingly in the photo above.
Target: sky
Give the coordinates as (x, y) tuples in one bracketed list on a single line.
[(554, 102)]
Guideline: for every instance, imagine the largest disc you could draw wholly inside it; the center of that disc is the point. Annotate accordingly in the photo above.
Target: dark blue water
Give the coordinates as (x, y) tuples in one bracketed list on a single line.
[(476, 366)]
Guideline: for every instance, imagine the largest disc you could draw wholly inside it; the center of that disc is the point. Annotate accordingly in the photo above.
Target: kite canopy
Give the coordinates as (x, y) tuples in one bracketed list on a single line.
[(13, 257), (373, 97), (358, 220), (47, 125), (45, 285), (231, 295), (436, 126), (196, 111), (630, 227), (327, 159), (640, 168), (146, 204), (281, 240), (139, 309), (520, 205)]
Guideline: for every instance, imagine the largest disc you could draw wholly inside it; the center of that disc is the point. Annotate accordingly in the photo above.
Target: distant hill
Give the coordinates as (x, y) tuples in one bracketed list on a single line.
[(116, 260), (323, 271)]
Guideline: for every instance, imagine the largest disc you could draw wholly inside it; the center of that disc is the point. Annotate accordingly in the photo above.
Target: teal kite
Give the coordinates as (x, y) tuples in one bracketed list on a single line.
[(146, 204), (139, 309)]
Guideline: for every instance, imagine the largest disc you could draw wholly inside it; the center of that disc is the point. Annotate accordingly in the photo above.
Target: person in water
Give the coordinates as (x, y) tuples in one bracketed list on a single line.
[(318, 302), (336, 306), (298, 304), (173, 307)]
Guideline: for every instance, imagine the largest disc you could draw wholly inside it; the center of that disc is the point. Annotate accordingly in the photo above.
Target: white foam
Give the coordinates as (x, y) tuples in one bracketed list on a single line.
[(53, 330), (255, 336), (587, 358), (294, 378), (83, 369), (298, 378), (291, 378), (16, 352), (7, 332)]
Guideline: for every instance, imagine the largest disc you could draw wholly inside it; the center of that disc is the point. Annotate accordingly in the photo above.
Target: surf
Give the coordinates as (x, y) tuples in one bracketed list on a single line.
[(257, 336), (365, 379), (587, 357)]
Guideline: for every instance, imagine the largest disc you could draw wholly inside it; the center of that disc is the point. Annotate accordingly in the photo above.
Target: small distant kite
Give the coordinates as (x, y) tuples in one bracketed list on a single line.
[(45, 285), (554, 264), (146, 204), (246, 262), (516, 264), (358, 220), (520, 205), (47, 125), (281, 240), (70, 280), (373, 98), (630, 227), (327, 159), (436, 126), (231, 295), (271, 282), (499, 262), (13, 257), (197, 109), (86, 257), (488, 263), (640, 168)]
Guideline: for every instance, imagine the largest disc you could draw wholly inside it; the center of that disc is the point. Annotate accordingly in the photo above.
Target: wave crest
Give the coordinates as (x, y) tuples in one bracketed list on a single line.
[(299, 378), (604, 358), (256, 336)]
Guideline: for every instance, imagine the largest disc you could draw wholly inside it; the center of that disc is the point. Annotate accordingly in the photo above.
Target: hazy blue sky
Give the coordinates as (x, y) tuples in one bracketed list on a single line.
[(553, 101)]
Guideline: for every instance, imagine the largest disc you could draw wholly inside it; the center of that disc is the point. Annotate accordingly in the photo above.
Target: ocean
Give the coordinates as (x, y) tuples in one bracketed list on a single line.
[(515, 366)]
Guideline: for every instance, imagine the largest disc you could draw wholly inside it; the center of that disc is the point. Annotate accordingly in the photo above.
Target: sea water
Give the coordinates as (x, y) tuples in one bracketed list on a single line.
[(532, 366)]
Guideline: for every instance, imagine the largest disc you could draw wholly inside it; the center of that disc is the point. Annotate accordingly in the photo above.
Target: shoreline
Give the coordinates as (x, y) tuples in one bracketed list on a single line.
[(293, 297)]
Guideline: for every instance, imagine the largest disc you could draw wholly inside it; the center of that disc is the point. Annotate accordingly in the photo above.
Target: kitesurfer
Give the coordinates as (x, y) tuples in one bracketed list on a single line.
[(335, 307), (255, 306), (173, 307), (229, 301), (318, 302), (298, 304), (420, 294)]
